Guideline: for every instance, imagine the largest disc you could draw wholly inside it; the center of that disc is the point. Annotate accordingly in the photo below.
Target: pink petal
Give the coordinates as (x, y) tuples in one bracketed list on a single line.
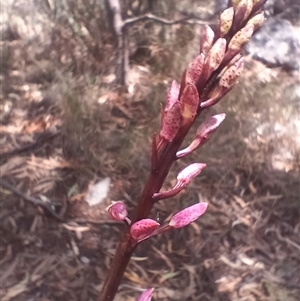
[(172, 95), (189, 101), (171, 122), (194, 70), (143, 228), (187, 215)]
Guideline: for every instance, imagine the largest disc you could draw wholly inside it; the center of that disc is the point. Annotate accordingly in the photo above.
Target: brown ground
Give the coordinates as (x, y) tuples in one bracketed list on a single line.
[(54, 147)]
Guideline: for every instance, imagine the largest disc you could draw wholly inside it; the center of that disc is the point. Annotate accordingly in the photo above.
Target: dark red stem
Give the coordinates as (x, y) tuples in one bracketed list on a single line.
[(125, 249)]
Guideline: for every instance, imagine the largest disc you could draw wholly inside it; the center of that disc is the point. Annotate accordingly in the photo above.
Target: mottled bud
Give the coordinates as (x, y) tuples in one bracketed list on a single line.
[(172, 95), (229, 77), (209, 126), (216, 54), (186, 175), (204, 133), (194, 70), (189, 102), (226, 19), (243, 10), (257, 20), (207, 38), (171, 122), (117, 211), (143, 228), (241, 37), (187, 215), (146, 295)]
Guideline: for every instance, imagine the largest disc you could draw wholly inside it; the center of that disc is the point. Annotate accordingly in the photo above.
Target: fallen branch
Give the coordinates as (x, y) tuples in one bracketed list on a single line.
[(32, 200)]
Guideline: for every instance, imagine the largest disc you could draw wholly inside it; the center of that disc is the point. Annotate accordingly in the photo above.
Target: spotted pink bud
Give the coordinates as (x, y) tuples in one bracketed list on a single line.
[(187, 174), (216, 54), (146, 295), (187, 215), (117, 211), (203, 134), (241, 37), (209, 126), (226, 19), (206, 40), (194, 70), (257, 20), (143, 228), (171, 122), (189, 102), (172, 95), (229, 77), (242, 11)]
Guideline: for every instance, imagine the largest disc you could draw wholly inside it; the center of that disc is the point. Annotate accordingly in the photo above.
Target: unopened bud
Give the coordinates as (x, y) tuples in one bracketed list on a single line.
[(228, 79), (143, 228), (172, 95), (171, 122), (189, 102), (187, 215), (209, 126), (226, 19), (194, 70), (207, 38), (216, 54), (204, 133), (243, 10), (117, 211), (241, 37), (257, 20), (186, 175), (146, 295)]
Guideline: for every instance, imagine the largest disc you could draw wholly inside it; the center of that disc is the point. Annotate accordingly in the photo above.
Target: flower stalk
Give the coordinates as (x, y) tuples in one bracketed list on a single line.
[(208, 78)]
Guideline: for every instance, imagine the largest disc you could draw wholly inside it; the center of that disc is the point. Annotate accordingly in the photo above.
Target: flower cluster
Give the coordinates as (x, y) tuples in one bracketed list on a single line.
[(207, 79)]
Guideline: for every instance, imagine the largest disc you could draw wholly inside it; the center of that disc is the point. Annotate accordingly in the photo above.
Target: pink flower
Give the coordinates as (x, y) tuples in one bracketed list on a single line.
[(187, 215)]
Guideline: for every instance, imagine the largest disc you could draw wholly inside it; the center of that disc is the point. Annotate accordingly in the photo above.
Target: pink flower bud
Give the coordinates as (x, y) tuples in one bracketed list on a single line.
[(189, 102), (216, 54), (242, 11), (187, 174), (206, 40), (194, 70), (187, 215), (146, 295), (117, 211), (257, 20), (203, 134), (226, 19), (172, 95), (171, 122), (241, 37), (209, 126), (229, 77), (143, 228)]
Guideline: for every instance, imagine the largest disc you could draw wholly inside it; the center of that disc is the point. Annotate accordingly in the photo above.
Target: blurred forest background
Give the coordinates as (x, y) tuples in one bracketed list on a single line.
[(79, 103)]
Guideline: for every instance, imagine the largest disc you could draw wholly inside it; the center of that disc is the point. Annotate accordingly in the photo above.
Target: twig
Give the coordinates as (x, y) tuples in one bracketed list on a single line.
[(32, 200), (160, 20)]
